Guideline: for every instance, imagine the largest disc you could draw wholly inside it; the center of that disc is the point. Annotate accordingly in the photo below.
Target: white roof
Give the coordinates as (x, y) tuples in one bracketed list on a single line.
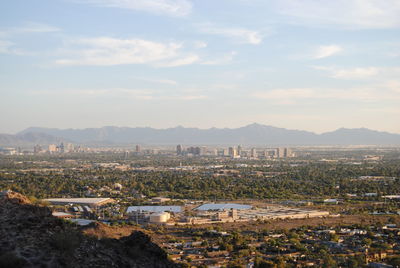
[(175, 209), (77, 200), (81, 222), (392, 196), (57, 214), (223, 206)]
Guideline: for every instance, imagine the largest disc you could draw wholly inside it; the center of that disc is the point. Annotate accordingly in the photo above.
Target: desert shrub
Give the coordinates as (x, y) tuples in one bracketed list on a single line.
[(10, 260), (65, 241)]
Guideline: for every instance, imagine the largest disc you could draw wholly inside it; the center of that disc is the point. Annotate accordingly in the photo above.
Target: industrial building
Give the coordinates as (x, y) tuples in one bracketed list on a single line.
[(230, 212), (152, 214), (91, 202), (154, 209), (159, 217), (222, 206)]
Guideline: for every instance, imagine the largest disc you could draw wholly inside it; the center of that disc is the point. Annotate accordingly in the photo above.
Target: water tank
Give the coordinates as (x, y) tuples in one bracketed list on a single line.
[(160, 217)]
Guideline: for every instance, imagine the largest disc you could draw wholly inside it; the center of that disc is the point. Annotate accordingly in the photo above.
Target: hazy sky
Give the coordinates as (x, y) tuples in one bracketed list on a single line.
[(303, 64)]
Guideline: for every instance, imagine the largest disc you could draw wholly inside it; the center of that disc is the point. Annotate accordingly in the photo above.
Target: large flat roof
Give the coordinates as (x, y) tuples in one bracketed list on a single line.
[(78, 200), (223, 206), (175, 209), (392, 196)]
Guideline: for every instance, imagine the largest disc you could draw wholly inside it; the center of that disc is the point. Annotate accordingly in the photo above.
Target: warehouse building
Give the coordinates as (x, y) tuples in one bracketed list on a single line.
[(91, 202), (222, 207)]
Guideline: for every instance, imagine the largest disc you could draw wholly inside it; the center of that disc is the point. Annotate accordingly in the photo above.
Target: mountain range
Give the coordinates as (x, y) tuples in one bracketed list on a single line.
[(253, 134)]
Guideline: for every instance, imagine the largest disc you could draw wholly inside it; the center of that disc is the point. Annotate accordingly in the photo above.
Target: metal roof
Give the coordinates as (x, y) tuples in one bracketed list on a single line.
[(77, 200), (223, 206), (81, 222), (175, 209)]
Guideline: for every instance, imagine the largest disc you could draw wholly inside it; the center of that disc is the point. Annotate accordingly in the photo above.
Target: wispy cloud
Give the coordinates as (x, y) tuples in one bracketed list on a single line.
[(285, 96), (106, 51), (240, 34), (200, 44), (356, 73), (158, 81), (35, 27), (361, 72), (134, 94), (142, 94), (374, 93), (348, 14), (186, 60), (326, 51), (176, 8), (221, 60), (29, 27), (7, 47)]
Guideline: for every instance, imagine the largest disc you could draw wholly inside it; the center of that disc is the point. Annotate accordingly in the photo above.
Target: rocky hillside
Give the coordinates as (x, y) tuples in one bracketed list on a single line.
[(31, 237)]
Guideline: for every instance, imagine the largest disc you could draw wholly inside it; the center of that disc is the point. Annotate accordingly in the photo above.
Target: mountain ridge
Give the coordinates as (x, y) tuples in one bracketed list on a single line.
[(252, 134)]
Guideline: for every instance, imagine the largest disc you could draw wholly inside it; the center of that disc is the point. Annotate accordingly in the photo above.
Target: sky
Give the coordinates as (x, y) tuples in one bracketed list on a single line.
[(314, 65)]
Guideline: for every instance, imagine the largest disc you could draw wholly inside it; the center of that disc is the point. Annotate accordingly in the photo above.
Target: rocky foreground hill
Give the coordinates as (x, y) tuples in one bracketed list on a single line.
[(31, 237)]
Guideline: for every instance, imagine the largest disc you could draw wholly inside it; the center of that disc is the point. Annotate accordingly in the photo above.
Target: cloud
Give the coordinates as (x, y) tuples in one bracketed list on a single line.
[(375, 93), (181, 61), (187, 97), (158, 81), (29, 27), (347, 14), (285, 96), (222, 60), (356, 73), (327, 51), (131, 93), (106, 51), (135, 94), (200, 44), (241, 34), (34, 27), (361, 72), (176, 8), (7, 47)]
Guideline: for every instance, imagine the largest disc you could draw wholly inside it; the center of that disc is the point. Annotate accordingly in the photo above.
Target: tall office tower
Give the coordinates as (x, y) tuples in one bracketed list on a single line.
[(52, 148), (203, 150), (70, 148), (61, 148), (37, 149), (253, 153), (233, 152), (266, 154), (280, 153), (288, 152), (225, 152), (138, 149), (239, 150), (194, 150), (179, 149)]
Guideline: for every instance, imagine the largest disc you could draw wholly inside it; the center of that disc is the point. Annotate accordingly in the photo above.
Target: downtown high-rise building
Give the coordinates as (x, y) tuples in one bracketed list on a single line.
[(179, 149), (233, 152), (253, 153), (138, 149)]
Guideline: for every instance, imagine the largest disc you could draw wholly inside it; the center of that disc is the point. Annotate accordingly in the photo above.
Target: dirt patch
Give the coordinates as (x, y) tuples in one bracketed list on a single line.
[(313, 222), (101, 230)]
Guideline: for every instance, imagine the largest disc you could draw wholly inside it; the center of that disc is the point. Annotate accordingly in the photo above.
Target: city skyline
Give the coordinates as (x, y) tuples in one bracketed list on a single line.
[(163, 63)]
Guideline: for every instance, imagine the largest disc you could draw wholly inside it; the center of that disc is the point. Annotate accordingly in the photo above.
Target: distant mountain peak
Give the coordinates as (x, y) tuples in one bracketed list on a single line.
[(252, 134)]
